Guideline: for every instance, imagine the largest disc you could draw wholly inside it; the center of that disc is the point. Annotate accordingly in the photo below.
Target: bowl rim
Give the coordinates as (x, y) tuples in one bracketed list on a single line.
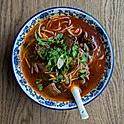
[(108, 40)]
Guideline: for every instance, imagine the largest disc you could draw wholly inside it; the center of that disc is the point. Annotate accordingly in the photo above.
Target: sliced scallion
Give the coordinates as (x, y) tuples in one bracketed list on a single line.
[(40, 87)]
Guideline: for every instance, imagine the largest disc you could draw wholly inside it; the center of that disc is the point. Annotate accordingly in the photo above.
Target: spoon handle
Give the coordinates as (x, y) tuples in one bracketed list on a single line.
[(81, 108)]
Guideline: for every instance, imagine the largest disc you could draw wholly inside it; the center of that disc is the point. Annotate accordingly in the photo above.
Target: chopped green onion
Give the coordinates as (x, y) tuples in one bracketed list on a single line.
[(75, 50), (59, 36), (43, 28), (67, 82), (43, 52), (59, 87), (40, 87), (60, 58), (37, 82), (49, 63), (75, 78), (40, 42), (60, 77), (84, 58), (83, 71)]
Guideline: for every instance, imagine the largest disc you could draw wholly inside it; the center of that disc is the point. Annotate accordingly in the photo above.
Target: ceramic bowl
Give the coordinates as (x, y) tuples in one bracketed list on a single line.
[(16, 57)]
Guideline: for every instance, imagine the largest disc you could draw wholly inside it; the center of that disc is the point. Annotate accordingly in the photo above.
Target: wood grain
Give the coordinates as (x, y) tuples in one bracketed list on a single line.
[(17, 108)]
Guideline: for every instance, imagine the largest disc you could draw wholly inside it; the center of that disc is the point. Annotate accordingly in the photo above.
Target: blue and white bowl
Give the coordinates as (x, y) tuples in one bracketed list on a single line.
[(16, 57)]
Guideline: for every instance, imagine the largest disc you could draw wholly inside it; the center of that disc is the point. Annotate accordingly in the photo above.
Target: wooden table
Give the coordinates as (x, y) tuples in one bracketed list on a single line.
[(17, 108)]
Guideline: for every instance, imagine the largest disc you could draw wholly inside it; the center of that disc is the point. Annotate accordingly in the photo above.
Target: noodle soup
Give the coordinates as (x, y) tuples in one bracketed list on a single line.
[(60, 52)]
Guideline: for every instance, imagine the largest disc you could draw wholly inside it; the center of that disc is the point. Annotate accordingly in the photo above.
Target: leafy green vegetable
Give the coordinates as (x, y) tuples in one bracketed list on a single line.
[(51, 69), (75, 78), (59, 36), (61, 41), (84, 58), (54, 81), (61, 58), (58, 49), (75, 50), (60, 87), (49, 40), (37, 82), (83, 71), (82, 76), (67, 82), (86, 54), (40, 42), (40, 87), (43, 28), (60, 77), (64, 48), (43, 41), (43, 52), (49, 63)]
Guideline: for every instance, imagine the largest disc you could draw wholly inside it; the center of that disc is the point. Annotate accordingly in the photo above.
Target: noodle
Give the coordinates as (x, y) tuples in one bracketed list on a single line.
[(57, 29), (74, 32), (51, 32), (44, 35), (39, 30), (71, 26)]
